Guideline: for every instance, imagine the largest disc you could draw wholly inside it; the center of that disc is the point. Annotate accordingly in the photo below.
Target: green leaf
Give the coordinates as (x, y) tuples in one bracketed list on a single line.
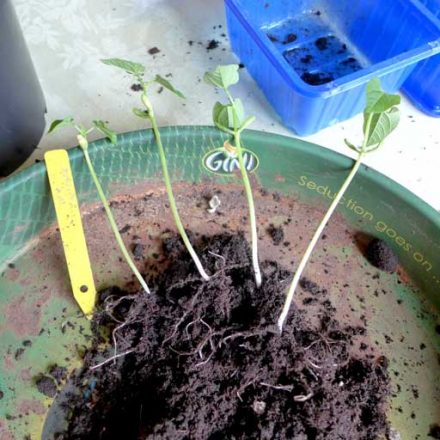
[(382, 124), (223, 76), (60, 123), (350, 145), (239, 110), (103, 128), (222, 115), (129, 66), (140, 113), (377, 100), (167, 85)]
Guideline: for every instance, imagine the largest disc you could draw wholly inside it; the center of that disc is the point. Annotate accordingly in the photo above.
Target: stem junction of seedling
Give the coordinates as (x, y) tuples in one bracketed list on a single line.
[(230, 119), (84, 145), (138, 71), (381, 117)]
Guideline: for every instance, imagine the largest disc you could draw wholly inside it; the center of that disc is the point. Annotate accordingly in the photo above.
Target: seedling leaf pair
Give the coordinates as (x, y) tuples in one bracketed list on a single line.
[(97, 123), (138, 70)]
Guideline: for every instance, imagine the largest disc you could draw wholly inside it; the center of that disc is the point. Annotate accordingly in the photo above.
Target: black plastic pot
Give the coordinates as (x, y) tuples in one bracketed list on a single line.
[(22, 102)]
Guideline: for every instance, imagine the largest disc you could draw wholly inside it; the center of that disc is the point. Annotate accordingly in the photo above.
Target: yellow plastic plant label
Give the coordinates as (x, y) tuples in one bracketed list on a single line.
[(71, 228)]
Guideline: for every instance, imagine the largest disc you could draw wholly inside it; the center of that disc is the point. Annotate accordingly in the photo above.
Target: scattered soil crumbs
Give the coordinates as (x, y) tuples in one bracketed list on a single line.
[(277, 234), (154, 51), (212, 44), (203, 360), (138, 251), (46, 385), (434, 431), (136, 87), (382, 256), (58, 373)]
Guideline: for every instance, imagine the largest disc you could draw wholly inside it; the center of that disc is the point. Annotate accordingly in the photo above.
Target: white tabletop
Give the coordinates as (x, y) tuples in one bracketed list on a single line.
[(67, 38)]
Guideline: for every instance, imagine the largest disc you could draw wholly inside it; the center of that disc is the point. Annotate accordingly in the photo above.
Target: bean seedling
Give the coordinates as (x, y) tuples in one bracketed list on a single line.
[(381, 117), (230, 119), (138, 71), (84, 145)]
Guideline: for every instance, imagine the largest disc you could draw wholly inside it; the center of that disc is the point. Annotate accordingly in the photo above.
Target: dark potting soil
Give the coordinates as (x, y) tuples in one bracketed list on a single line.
[(58, 373), (277, 234), (379, 254), (203, 360), (138, 251), (46, 385)]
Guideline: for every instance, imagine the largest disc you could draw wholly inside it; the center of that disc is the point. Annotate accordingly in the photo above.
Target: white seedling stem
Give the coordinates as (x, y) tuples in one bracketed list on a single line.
[(252, 218), (113, 225), (169, 189), (248, 191), (317, 235)]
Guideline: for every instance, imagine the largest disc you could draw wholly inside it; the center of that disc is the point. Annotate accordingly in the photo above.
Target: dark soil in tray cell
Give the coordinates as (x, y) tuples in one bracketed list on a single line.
[(290, 38), (203, 360), (306, 59), (322, 43), (321, 60), (273, 38), (317, 79)]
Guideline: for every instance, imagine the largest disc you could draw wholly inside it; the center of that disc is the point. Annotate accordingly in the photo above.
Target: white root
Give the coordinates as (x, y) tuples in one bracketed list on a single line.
[(278, 387), (302, 398), (111, 359), (218, 256), (214, 204)]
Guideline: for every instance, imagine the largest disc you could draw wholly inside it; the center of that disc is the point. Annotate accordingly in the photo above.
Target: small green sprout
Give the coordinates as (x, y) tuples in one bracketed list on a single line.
[(138, 71), (381, 117), (230, 118), (84, 145)]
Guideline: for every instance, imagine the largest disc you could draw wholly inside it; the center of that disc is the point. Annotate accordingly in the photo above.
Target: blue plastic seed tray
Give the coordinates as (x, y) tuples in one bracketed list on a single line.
[(423, 85), (313, 58)]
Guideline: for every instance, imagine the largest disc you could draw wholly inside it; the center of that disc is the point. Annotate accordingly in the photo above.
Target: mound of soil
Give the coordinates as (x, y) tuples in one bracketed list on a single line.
[(382, 256), (203, 360)]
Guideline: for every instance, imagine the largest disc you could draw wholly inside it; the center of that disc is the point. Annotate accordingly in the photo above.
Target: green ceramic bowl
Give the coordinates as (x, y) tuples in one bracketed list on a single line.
[(34, 303)]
